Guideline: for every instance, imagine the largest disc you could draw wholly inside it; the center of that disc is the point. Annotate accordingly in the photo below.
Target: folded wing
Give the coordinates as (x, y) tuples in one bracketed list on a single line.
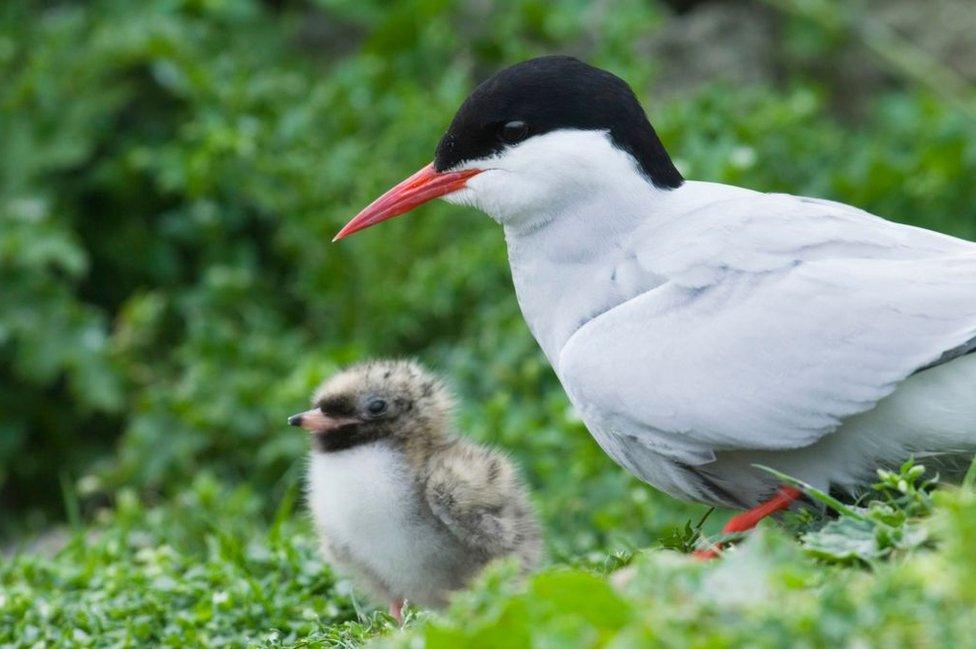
[(769, 339), (476, 495)]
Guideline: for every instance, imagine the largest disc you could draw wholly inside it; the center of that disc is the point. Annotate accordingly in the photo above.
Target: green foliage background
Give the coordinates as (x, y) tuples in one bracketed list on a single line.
[(172, 172)]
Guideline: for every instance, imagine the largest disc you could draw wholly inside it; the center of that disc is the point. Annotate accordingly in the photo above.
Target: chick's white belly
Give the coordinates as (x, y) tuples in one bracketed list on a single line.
[(367, 507)]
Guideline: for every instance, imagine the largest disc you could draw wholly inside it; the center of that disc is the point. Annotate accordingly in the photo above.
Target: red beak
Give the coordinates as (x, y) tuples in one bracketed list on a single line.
[(425, 185)]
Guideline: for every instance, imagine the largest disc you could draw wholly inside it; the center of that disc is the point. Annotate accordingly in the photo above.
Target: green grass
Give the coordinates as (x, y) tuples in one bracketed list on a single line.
[(202, 571), (206, 570)]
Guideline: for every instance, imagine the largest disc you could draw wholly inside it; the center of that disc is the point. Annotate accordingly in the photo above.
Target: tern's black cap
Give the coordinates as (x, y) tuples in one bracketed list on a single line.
[(547, 94)]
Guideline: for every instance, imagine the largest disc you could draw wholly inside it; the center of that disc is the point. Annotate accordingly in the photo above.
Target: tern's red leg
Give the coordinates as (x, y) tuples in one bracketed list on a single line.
[(396, 610), (749, 519)]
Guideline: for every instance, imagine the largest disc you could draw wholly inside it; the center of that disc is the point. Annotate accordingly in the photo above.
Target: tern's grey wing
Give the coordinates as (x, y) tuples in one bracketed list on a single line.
[(715, 234), (770, 360)]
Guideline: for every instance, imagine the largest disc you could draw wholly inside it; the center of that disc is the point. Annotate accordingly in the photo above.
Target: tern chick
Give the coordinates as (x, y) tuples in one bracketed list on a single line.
[(408, 508)]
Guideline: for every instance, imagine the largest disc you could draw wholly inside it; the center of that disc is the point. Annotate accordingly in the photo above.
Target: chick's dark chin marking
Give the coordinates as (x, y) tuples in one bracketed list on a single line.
[(349, 436)]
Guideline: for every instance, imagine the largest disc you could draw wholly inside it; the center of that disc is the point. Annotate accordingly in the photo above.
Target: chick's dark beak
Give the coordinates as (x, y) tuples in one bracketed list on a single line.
[(315, 421)]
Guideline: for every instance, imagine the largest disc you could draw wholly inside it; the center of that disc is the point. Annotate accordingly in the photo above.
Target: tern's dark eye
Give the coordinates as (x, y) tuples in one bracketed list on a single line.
[(376, 407), (513, 132)]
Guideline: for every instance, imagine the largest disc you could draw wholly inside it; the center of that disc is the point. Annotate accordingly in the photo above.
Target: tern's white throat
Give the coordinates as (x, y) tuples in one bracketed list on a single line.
[(566, 200), (563, 175)]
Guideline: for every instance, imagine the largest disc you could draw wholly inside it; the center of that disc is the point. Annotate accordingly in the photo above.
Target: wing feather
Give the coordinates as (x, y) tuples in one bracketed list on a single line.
[(811, 313)]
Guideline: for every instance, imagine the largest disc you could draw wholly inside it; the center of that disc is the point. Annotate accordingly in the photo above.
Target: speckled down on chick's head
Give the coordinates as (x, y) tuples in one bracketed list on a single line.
[(381, 399)]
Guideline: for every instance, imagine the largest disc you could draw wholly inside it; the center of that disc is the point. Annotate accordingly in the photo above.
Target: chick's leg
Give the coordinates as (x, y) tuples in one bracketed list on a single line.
[(396, 610)]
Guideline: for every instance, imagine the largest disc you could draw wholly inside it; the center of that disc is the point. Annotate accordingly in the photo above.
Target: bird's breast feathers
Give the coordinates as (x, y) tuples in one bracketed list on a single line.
[(363, 500)]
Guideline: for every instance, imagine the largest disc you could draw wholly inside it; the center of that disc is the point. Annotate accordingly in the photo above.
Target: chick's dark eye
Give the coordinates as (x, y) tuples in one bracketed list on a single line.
[(513, 132), (376, 407)]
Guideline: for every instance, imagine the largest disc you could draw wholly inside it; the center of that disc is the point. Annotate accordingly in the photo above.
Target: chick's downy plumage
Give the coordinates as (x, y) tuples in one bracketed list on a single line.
[(407, 507)]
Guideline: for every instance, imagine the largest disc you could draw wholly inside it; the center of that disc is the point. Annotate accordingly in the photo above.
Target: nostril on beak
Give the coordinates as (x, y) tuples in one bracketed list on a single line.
[(295, 420)]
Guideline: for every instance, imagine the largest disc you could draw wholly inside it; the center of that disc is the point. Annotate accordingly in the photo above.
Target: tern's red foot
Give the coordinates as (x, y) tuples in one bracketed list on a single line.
[(396, 610), (749, 519)]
